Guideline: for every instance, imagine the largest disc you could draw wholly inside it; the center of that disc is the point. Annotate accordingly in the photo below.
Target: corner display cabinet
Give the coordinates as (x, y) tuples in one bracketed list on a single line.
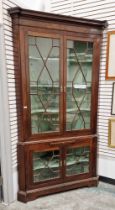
[(56, 71)]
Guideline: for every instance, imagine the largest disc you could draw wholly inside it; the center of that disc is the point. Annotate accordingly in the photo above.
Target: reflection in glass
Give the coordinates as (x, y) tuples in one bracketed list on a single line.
[(46, 165), (79, 81), (77, 161), (44, 83)]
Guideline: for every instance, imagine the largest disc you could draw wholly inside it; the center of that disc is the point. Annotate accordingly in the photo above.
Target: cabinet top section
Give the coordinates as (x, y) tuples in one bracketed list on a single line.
[(44, 16)]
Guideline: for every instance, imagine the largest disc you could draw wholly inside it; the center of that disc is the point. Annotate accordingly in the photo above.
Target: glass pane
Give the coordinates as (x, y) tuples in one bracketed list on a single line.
[(77, 161), (44, 73), (79, 82), (46, 165)]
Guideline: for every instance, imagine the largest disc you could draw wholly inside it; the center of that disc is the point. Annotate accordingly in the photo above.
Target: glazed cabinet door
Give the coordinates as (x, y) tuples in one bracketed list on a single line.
[(77, 160), (80, 84), (44, 165), (80, 160), (43, 102), (44, 73)]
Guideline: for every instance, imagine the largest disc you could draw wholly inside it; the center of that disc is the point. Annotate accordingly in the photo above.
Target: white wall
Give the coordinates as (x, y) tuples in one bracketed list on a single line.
[(5, 138), (1, 19), (10, 138), (39, 5), (101, 10)]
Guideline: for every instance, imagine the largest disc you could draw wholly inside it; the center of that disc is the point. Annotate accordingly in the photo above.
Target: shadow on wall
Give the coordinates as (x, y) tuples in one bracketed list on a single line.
[(1, 194)]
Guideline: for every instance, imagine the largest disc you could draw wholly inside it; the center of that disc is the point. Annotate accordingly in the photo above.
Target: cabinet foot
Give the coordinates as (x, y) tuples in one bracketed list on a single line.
[(30, 195)]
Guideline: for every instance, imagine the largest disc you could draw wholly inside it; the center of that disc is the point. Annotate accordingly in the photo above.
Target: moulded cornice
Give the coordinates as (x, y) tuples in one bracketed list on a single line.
[(55, 17)]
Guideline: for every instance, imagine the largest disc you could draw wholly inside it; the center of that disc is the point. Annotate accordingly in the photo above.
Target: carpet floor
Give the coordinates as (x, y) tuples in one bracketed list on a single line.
[(94, 198)]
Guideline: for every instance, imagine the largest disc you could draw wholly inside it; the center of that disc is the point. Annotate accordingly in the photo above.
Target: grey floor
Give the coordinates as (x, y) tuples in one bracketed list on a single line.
[(94, 198)]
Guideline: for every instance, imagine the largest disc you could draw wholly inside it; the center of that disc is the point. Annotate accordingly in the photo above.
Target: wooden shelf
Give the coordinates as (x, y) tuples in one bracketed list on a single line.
[(55, 111)]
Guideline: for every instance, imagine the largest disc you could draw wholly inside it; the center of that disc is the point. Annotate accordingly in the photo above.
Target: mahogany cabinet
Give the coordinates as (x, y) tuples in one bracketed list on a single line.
[(56, 72)]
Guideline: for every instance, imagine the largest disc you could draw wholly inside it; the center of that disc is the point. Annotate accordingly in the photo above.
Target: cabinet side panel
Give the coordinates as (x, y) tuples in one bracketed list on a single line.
[(21, 168), (94, 156), (95, 80), (16, 48)]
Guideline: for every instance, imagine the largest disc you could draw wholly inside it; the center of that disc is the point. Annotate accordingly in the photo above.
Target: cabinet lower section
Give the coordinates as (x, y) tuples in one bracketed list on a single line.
[(55, 165), (34, 194)]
